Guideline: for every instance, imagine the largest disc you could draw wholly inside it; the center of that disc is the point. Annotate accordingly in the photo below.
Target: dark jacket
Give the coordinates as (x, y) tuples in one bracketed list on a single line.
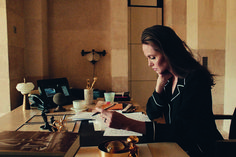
[(188, 115)]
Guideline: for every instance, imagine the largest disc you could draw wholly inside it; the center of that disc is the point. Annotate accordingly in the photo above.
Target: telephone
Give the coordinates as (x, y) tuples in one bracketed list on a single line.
[(39, 102), (47, 89)]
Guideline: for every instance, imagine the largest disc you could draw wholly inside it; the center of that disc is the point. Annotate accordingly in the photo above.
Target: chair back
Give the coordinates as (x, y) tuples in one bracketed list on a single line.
[(227, 147), (232, 131)]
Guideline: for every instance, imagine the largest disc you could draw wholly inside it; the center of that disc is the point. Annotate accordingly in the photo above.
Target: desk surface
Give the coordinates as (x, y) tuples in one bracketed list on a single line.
[(161, 149), (14, 119)]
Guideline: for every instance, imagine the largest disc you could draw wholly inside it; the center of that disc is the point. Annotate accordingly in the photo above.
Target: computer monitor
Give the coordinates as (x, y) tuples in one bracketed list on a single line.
[(49, 87)]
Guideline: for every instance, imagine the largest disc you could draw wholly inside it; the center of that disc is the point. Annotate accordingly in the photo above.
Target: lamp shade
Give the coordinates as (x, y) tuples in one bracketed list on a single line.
[(25, 87)]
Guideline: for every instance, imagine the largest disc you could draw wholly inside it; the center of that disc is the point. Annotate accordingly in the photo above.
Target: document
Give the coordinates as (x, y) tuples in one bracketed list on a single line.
[(100, 126), (84, 116), (137, 116), (120, 132)]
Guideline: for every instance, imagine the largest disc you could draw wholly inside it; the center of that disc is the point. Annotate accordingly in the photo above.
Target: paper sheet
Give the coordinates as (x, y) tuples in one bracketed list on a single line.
[(83, 116), (99, 125), (137, 116), (119, 132)]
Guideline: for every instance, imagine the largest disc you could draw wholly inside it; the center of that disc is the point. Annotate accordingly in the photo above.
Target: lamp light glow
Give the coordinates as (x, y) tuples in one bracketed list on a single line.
[(25, 88)]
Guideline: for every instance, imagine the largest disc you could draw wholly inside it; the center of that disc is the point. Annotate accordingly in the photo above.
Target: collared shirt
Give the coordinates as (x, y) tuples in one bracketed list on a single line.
[(188, 114)]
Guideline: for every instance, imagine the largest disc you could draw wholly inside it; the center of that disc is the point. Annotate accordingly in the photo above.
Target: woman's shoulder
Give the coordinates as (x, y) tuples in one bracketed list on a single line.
[(199, 75)]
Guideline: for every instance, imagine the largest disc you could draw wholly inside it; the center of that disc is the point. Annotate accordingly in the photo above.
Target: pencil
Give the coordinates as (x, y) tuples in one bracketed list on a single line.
[(104, 109)]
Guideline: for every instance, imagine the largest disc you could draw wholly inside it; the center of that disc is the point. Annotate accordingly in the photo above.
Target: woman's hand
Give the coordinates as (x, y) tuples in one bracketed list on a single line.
[(118, 121), (162, 80), (113, 119)]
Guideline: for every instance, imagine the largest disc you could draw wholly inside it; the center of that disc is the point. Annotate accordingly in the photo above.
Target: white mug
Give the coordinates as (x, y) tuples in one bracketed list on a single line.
[(88, 96), (78, 104)]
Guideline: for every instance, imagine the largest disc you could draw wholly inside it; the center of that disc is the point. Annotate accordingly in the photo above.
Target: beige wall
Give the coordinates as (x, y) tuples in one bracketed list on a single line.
[(51, 35), (230, 64), (142, 78), (119, 45), (16, 44), (74, 26), (206, 25), (48, 43), (175, 12), (4, 62), (85, 25), (191, 20), (36, 49)]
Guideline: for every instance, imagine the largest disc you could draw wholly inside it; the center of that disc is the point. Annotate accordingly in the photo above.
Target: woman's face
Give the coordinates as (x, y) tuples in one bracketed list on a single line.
[(156, 60)]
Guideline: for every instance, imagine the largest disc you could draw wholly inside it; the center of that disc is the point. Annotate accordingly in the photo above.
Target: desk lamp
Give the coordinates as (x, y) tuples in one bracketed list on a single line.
[(25, 88)]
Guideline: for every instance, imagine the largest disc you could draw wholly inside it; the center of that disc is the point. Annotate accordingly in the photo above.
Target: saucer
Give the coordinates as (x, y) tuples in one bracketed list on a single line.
[(78, 110)]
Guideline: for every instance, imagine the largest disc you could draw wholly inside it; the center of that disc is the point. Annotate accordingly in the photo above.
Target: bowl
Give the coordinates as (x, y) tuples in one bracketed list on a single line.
[(116, 149)]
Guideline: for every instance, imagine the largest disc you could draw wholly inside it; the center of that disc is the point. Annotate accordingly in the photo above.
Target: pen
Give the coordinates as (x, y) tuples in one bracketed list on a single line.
[(104, 109), (88, 84)]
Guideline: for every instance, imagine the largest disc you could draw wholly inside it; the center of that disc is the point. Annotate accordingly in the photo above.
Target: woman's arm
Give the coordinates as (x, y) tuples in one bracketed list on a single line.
[(157, 102), (118, 121), (162, 80)]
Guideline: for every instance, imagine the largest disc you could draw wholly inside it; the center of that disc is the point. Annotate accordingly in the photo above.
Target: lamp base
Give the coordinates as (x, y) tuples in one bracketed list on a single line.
[(26, 104), (60, 109)]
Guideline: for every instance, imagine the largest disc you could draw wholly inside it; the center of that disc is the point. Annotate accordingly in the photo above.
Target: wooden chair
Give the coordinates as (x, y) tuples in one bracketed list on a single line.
[(227, 147)]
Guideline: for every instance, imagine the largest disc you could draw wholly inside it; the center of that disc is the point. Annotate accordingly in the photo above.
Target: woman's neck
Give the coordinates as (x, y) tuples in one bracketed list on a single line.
[(174, 83)]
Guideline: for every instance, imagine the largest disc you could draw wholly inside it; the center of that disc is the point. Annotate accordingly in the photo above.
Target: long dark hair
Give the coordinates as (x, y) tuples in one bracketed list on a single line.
[(176, 51)]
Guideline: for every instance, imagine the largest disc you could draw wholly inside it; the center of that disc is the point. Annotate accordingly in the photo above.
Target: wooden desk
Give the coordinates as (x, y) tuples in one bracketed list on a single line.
[(161, 149), (14, 119)]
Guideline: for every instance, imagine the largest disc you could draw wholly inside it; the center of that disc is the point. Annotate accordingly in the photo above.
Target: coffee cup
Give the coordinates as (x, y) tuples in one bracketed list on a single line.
[(109, 96), (78, 104)]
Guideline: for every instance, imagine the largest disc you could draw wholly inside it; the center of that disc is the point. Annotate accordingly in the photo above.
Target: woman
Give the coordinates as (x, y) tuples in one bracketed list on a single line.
[(182, 95)]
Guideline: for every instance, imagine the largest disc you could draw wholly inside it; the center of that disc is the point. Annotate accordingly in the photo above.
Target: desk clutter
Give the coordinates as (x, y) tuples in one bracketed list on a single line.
[(50, 123), (126, 109), (55, 123)]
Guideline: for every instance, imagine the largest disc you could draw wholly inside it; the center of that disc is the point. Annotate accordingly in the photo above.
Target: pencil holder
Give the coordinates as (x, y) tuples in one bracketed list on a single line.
[(88, 96)]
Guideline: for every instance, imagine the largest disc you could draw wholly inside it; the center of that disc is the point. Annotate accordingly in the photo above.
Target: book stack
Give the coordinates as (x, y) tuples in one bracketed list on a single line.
[(123, 96)]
